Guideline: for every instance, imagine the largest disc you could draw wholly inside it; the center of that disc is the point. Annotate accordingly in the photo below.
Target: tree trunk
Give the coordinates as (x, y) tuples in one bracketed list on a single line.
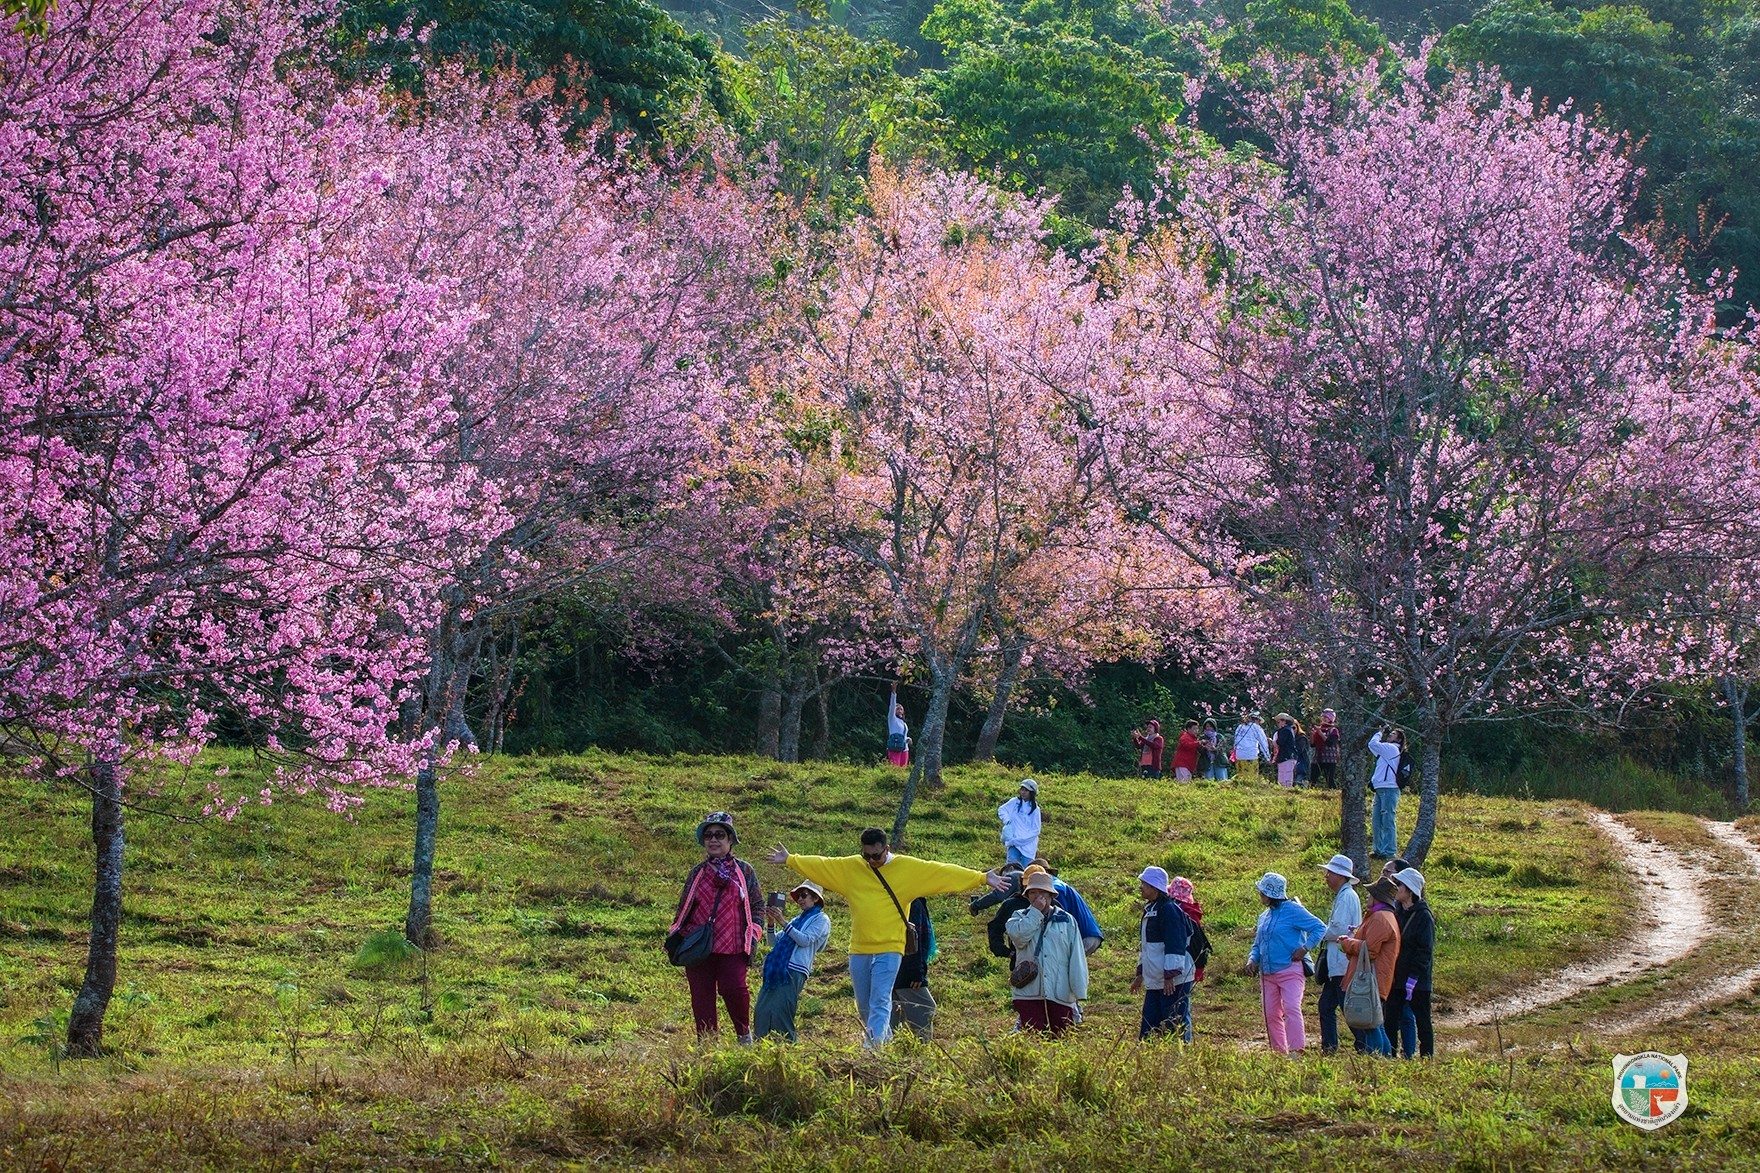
[(822, 731), (1430, 775), (85, 1027), (445, 714), (926, 749), (1012, 654), (770, 716), (417, 925), (1353, 806), (1736, 693), (794, 703)]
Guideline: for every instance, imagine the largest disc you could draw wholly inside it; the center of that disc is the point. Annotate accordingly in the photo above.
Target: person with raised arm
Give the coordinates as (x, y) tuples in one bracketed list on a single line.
[(879, 886)]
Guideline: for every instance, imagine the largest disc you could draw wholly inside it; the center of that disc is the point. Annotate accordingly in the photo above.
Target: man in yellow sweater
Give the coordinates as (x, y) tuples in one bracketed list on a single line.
[(879, 887)]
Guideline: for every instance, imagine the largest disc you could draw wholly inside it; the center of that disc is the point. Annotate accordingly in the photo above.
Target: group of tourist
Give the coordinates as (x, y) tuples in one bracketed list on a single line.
[(1047, 932), (1297, 755)]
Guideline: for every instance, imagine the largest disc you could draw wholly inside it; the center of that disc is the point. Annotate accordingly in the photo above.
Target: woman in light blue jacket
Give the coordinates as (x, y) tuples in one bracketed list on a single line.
[(792, 948), (1285, 933)]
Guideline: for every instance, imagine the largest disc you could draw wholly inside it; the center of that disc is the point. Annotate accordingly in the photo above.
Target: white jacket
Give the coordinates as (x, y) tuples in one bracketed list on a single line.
[(1250, 744), (1386, 763), (1020, 826), (1347, 914), (1063, 965)]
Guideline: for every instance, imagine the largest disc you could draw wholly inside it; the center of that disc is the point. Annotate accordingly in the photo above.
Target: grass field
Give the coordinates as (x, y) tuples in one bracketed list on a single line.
[(546, 1026)]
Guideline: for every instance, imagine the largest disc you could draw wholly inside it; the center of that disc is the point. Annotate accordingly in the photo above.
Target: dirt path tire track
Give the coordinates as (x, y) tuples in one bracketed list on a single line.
[(1665, 879), (1714, 989)]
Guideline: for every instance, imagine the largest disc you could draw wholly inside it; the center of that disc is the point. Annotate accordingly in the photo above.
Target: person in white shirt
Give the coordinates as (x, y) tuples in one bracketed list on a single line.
[(898, 734), (1020, 824), (1346, 915), (1387, 746), (1250, 747)]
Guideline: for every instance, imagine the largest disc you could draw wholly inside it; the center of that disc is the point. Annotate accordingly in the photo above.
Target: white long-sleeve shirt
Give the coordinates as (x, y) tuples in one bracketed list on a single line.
[(1347, 914), (1020, 826), (1386, 753), (895, 726), (1250, 744)]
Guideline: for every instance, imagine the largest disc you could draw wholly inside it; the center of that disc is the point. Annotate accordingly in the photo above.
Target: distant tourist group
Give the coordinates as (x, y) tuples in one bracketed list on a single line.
[(1374, 967)]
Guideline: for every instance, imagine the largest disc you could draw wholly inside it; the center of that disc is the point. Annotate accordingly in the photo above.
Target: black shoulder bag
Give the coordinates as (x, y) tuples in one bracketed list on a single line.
[(911, 944), (686, 949)]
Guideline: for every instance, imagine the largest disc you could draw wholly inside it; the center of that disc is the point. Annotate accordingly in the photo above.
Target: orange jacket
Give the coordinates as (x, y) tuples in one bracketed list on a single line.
[(1380, 932)]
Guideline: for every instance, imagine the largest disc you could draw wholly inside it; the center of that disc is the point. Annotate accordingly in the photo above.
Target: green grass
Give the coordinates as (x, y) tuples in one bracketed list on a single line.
[(264, 1016)]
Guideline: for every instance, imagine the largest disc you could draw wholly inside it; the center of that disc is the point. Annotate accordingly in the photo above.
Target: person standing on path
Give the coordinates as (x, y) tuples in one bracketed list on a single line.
[(1386, 745), (1046, 935), (723, 891), (1283, 750), (1020, 823), (1180, 891), (1326, 746), (1346, 915), (1281, 940), (1411, 974), (1379, 937), (1150, 746), (1212, 758), (1185, 754), (879, 886), (1164, 960), (913, 1005), (793, 945), (1250, 748), (898, 734)]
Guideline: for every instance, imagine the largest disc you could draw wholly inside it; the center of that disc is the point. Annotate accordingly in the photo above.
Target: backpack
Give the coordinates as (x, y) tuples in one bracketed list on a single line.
[(1198, 944), (1402, 773), (896, 742)]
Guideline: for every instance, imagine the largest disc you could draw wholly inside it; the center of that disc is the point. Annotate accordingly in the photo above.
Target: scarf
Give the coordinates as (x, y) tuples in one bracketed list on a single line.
[(781, 953)]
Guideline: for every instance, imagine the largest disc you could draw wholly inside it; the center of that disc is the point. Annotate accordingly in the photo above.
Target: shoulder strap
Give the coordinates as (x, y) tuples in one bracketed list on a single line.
[(881, 876)]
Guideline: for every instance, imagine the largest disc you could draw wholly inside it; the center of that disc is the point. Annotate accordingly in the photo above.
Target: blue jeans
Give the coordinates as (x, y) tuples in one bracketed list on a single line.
[(1376, 1042), (1217, 773), (1386, 825), (1161, 1011), (1185, 1008), (1408, 1030), (873, 975), (1017, 856), (1331, 1001)]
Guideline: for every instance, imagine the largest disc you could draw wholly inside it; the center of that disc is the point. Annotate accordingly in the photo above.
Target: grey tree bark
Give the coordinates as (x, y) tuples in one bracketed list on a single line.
[(85, 1026), (1736, 693), (991, 731), (1429, 791), (449, 674)]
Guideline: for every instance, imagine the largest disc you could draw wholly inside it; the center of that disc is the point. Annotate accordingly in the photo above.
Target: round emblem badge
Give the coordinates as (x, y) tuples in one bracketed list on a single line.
[(1649, 1089)]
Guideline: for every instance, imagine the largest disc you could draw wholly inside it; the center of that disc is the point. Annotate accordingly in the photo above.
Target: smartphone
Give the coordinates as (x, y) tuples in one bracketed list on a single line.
[(779, 900)]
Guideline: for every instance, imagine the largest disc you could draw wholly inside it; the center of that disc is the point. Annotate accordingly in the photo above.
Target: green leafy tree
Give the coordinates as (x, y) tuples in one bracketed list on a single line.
[(1071, 97), (1681, 76), (823, 96), (625, 58)]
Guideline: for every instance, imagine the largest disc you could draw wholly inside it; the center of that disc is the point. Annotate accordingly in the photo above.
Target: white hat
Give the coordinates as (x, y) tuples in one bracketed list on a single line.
[(1155, 877), (811, 887), (1412, 878), (1273, 886), (1340, 865), (1029, 784)]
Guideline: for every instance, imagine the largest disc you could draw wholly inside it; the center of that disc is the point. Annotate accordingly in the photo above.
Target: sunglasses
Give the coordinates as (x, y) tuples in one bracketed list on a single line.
[(707, 835)]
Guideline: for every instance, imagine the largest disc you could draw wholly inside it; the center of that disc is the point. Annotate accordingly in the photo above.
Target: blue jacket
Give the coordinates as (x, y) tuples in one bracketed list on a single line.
[(1166, 943), (1282, 929), (1071, 902)]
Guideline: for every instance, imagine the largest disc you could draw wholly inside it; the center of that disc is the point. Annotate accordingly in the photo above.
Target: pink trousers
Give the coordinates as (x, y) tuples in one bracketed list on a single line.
[(1281, 992)]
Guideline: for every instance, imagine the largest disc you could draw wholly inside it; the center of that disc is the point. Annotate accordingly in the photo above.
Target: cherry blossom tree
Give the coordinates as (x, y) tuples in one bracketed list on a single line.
[(1452, 419), (220, 497), (597, 393), (944, 349)]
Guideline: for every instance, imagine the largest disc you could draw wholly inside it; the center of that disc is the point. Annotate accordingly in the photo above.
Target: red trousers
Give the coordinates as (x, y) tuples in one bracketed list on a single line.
[(1044, 1014), (723, 973)]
